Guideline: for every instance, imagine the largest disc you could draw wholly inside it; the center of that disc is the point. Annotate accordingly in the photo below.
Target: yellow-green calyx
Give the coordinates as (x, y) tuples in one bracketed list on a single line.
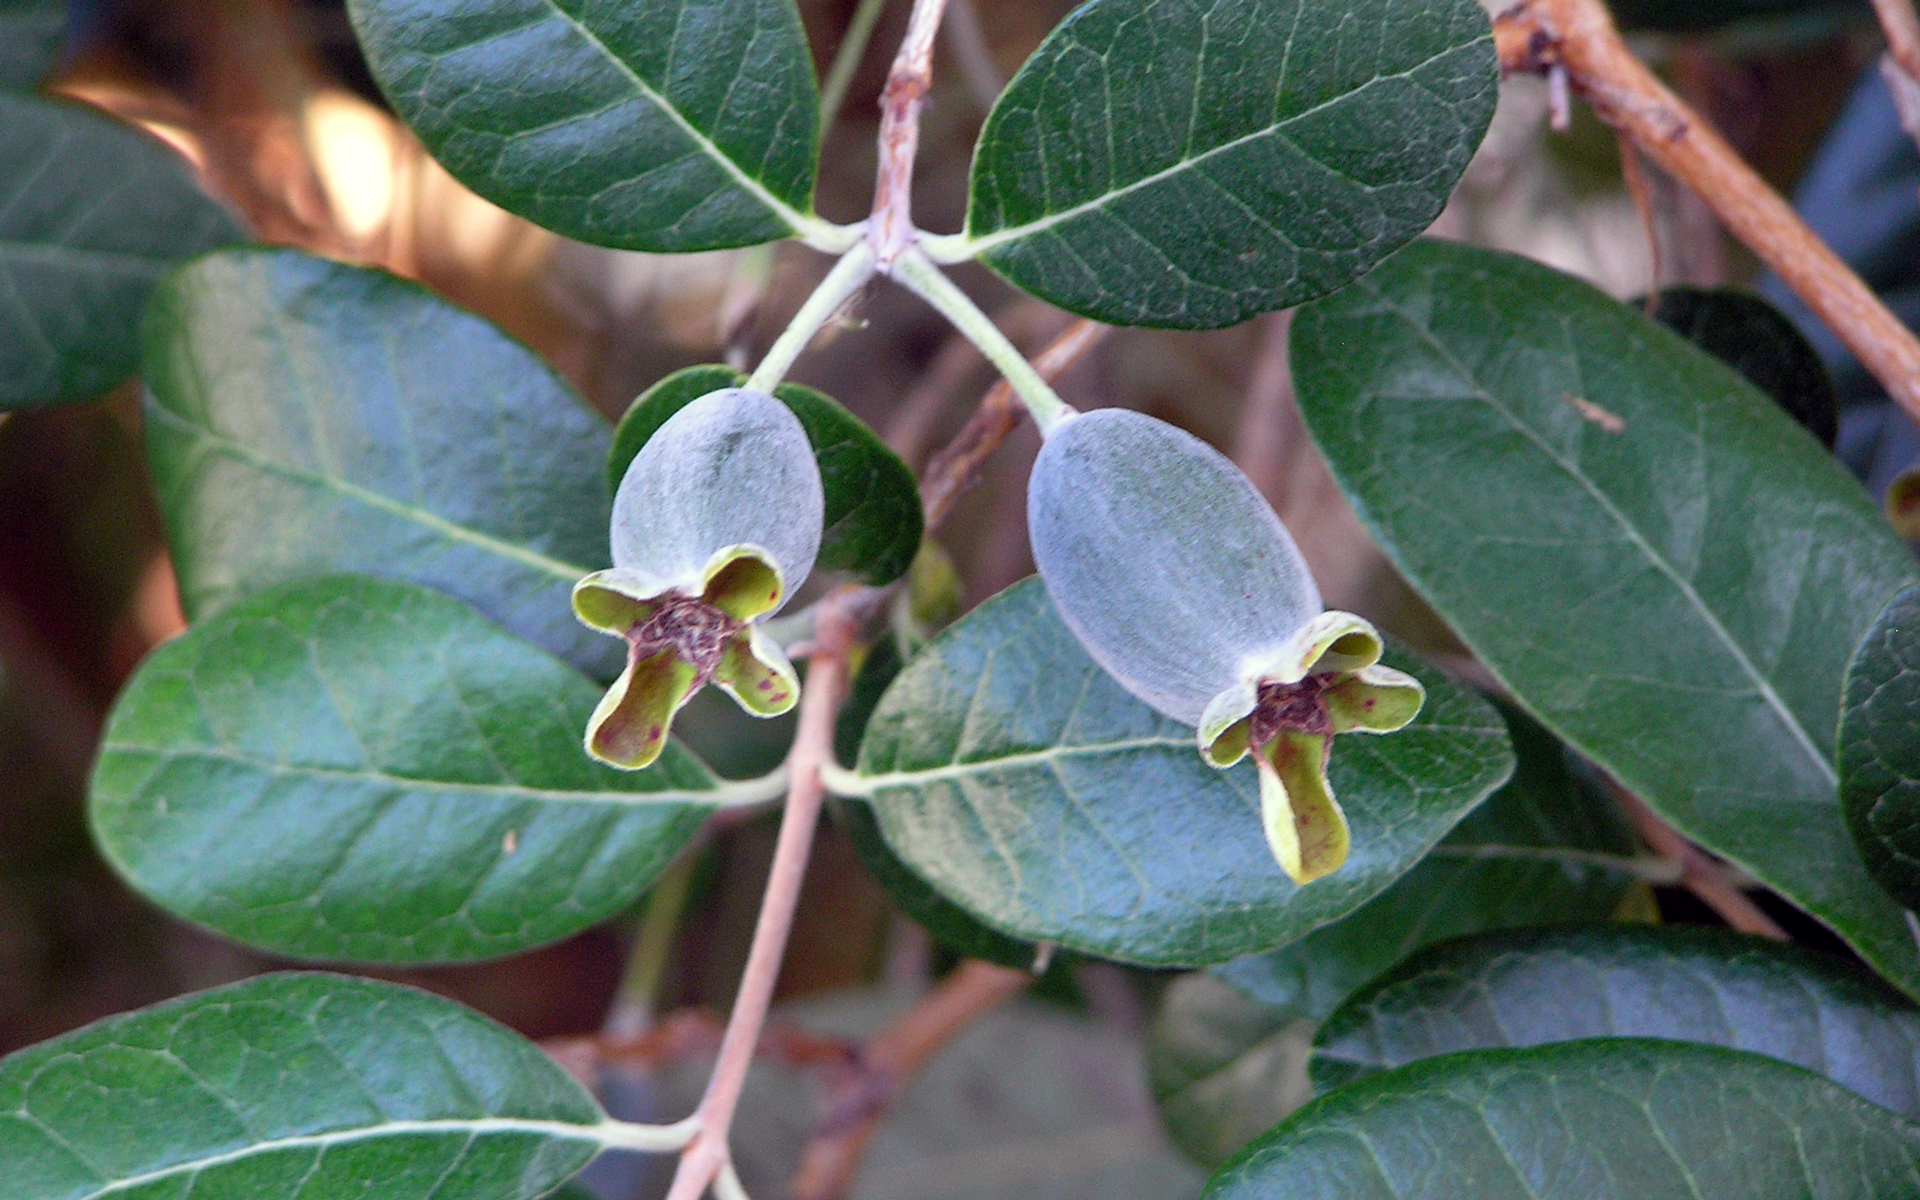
[(679, 640), (1325, 680)]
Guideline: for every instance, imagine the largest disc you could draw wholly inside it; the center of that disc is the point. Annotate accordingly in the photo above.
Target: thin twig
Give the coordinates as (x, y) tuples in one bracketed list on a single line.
[(859, 1104), (967, 38), (958, 464), (1579, 35), (1260, 442), (846, 60), (891, 230), (1902, 27), (1634, 172), (633, 1004), (1700, 873), (707, 1154)]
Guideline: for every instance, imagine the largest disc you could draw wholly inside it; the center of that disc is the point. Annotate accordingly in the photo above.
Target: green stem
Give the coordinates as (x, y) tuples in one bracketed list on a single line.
[(848, 276), (652, 1139), (843, 782), (846, 60), (736, 793), (633, 1004), (918, 274)]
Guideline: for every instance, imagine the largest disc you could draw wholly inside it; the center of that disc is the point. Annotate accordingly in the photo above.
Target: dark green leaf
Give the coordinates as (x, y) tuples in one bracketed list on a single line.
[(873, 517), (30, 36), (1229, 1047), (1190, 165), (292, 1087), (1017, 778), (1646, 550), (1225, 1068), (670, 126), (1696, 16), (1531, 987), (947, 921), (346, 768), (1756, 339), (1880, 748), (92, 214), (1612, 1119), (307, 417)]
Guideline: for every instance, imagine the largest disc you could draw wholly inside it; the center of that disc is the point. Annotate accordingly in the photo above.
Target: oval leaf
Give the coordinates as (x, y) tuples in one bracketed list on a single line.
[(671, 126), (1533, 987), (92, 214), (873, 515), (293, 1087), (1022, 782), (1757, 340), (1229, 1047), (346, 768), (1880, 748), (1682, 586), (30, 36), (307, 417), (1612, 1119), (1170, 163)]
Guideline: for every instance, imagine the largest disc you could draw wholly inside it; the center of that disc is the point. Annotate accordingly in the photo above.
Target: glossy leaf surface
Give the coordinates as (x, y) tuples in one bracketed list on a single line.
[(1192, 164), (1679, 592), (873, 517), (1229, 1046), (1532, 987), (346, 768), (306, 417), (292, 1087), (30, 36), (1880, 749), (1613, 1119), (1015, 776), (684, 125), (92, 214)]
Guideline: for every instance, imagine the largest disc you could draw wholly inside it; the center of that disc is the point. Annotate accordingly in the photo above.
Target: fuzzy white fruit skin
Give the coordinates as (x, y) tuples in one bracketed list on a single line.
[(1165, 562), (733, 468)]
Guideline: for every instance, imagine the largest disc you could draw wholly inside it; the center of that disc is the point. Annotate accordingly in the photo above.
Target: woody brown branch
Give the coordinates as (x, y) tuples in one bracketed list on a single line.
[(859, 1104), (1700, 873), (1579, 37)]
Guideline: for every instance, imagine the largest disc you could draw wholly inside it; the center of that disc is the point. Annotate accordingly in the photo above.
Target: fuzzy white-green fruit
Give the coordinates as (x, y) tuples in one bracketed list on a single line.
[(715, 524), (1170, 568), (1176, 576)]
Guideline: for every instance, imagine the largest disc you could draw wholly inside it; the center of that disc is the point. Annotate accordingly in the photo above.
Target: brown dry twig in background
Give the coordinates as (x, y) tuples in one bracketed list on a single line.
[(861, 1101), (1579, 36), (1700, 872)]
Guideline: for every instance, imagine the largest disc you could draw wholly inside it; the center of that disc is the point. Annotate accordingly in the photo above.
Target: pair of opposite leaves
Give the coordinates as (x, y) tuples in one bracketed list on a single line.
[(1161, 557)]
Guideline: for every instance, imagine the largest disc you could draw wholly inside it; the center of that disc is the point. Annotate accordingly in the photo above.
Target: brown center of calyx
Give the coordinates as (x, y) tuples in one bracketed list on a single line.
[(695, 631), (1291, 708)]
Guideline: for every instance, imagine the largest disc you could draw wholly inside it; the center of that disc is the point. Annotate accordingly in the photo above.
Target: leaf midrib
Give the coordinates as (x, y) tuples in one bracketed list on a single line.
[(705, 796), (982, 244), (795, 220), (874, 783), (1762, 685), (472, 1127), (452, 530)]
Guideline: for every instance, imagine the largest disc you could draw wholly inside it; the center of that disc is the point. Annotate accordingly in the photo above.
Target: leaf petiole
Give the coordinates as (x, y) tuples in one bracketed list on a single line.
[(647, 1139), (848, 276), (919, 275)]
